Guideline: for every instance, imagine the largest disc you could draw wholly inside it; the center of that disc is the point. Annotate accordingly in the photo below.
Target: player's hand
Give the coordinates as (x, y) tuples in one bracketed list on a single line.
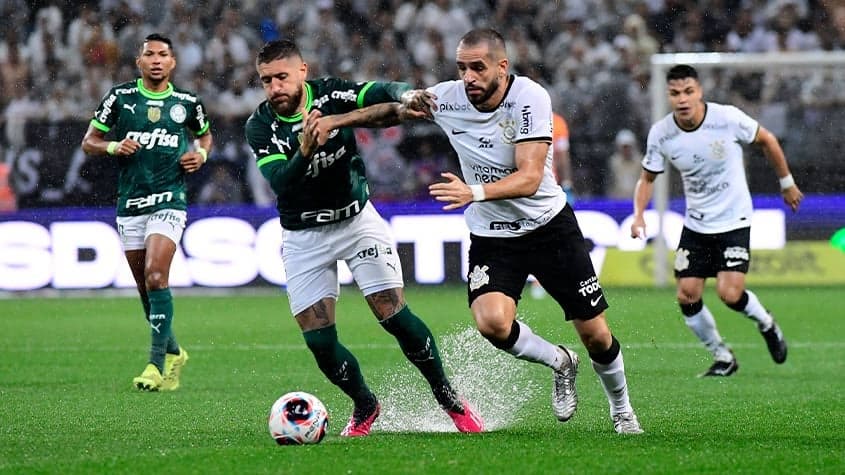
[(126, 147), (454, 191), (308, 141), (638, 228), (792, 196), (191, 161), (417, 104), (323, 127)]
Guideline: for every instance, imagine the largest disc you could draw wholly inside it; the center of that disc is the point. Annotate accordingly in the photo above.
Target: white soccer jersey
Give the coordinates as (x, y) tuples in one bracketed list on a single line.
[(485, 143), (710, 161)]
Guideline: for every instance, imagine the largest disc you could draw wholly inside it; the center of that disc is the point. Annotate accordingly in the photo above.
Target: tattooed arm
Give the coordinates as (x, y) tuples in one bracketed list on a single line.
[(382, 115)]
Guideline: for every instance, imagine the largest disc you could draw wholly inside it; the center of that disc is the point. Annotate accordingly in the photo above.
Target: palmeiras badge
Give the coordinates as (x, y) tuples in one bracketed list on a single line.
[(178, 113), (154, 114)]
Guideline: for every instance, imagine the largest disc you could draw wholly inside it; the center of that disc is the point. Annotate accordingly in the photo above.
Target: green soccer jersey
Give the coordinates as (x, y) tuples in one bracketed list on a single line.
[(331, 186), (151, 179)]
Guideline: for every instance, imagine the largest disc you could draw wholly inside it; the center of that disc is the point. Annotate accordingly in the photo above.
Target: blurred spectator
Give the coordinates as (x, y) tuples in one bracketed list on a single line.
[(625, 166), (221, 187), (8, 200), (14, 73), (390, 177)]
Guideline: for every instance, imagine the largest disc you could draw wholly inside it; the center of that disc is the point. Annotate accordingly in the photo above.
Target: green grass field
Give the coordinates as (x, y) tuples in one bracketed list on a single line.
[(66, 367)]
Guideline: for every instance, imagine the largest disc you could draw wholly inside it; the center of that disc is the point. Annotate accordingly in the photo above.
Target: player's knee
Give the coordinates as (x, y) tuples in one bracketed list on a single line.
[(155, 279), (687, 296), (596, 340), (499, 335), (731, 295)]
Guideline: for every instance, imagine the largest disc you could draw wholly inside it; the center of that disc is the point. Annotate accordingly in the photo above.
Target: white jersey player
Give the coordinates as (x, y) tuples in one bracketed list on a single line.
[(703, 140), (486, 142), (501, 127)]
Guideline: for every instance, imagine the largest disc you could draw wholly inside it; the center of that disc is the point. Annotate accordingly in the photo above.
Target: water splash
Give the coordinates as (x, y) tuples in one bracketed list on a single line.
[(496, 383)]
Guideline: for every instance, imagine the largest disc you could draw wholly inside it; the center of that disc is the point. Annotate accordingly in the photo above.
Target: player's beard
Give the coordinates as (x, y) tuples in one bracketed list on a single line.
[(486, 92), (286, 106)]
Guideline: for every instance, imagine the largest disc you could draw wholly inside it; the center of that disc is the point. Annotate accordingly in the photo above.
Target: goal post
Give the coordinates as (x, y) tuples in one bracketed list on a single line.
[(773, 65)]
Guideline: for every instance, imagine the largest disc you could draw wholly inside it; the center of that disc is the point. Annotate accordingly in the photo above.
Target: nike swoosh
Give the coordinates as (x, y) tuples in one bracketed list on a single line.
[(458, 132), (595, 302), (733, 263)]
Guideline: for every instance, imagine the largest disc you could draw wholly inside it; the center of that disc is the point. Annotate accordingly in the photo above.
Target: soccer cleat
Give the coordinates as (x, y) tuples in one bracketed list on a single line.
[(722, 368), (360, 423), (467, 421), (173, 365), (775, 342), (564, 396), (150, 379), (626, 423)]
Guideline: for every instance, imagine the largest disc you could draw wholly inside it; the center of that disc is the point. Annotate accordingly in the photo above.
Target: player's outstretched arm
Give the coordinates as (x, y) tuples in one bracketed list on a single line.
[(377, 115), (642, 195)]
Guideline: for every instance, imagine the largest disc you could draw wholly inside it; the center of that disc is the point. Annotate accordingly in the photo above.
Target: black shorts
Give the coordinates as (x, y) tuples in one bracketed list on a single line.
[(705, 255), (556, 254)]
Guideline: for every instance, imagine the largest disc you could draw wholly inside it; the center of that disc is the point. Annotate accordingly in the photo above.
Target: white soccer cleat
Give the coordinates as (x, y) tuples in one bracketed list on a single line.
[(564, 396), (626, 423)]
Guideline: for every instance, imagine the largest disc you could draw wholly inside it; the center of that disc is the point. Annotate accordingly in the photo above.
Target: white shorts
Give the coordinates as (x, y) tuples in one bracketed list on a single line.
[(134, 230), (363, 242)]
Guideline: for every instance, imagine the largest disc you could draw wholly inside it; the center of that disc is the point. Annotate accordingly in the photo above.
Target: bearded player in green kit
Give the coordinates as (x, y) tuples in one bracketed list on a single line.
[(326, 216), (147, 126)]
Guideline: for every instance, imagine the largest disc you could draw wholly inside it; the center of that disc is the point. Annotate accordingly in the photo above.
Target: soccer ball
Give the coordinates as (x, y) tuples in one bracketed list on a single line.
[(298, 418)]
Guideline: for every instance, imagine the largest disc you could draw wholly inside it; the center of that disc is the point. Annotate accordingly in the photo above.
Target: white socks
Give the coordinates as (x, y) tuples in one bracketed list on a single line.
[(755, 311), (704, 327), (612, 377), (533, 348)]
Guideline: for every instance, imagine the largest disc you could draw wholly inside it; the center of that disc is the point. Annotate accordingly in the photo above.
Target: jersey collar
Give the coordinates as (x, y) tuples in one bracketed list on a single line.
[(309, 101), (154, 95), (703, 118)]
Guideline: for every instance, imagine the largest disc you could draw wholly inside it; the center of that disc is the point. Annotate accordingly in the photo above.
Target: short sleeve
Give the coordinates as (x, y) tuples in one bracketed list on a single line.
[(653, 160), (198, 122), (105, 116), (533, 115), (746, 127)]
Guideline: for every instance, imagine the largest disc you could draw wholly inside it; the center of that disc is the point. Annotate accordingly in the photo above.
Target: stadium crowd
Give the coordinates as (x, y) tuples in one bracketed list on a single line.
[(58, 58)]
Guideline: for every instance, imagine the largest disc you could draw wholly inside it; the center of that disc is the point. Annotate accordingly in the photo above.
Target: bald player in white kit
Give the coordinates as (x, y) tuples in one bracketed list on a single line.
[(500, 125)]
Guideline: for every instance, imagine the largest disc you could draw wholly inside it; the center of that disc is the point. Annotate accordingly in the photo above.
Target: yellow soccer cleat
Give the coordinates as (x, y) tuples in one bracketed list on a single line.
[(173, 365), (150, 379)]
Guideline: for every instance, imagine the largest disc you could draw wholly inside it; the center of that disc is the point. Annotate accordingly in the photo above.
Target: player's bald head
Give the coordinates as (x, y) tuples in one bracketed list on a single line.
[(485, 36)]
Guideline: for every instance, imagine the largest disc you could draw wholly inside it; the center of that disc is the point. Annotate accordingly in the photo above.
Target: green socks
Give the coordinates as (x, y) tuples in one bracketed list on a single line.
[(172, 345), (418, 345), (339, 365), (160, 318)]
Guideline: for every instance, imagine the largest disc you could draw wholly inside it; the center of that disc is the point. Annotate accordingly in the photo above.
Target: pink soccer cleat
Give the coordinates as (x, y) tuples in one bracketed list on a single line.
[(469, 420), (359, 424)]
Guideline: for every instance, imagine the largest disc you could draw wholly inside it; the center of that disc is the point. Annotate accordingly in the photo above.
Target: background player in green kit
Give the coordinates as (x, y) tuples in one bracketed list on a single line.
[(326, 216), (150, 125)]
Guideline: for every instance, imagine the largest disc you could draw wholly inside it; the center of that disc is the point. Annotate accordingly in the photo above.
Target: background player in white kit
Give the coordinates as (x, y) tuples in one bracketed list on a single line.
[(703, 140), (501, 127)]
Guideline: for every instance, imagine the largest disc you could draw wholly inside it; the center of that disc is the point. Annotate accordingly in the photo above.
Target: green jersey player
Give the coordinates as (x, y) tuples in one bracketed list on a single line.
[(147, 126), (311, 162)]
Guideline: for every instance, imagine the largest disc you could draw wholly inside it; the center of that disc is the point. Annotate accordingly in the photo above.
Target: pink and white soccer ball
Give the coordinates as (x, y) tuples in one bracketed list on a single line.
[(298, 418)]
